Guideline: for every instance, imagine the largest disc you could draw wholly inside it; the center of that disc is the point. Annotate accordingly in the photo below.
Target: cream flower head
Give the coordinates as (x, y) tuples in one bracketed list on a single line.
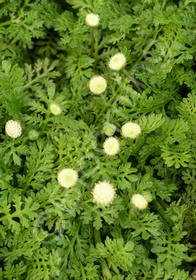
[(103, 193), (131, 130), (13, 128), (97, 84), (117, 61), (92, 20), (55, 109), (139, 201), (111, 146), (67, 177)]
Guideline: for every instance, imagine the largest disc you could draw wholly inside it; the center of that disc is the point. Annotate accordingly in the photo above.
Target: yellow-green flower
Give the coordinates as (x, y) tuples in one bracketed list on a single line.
[(131, 130), (55, 109), (13, 128), (111, 146), (92, 20), (117, 61), (103, 193), (109, 129), (97, 84), (67, 177), (139, 201)]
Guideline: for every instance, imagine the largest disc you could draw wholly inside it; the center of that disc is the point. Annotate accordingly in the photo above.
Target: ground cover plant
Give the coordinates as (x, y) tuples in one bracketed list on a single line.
[(97, 139)]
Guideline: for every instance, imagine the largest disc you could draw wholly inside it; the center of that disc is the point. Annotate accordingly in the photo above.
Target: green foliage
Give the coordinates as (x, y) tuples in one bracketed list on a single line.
[(118, 254), (48, 54)]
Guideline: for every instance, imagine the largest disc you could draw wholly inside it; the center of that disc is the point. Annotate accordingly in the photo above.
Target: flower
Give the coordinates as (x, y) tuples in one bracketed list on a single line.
[(139, 201), (92, 20), (111, 146), (131, 130), (13, 128), (109, 129), (97, 84), (55, 109), (67, 177), (117, 61), (33, 134), (103, 193)]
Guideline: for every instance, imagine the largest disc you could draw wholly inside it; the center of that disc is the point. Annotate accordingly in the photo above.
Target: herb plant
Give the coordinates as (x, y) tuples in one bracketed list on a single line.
[(97, 139)]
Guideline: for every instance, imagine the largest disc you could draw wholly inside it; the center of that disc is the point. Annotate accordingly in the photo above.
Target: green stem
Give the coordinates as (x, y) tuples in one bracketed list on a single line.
[(130, 215), (35, 80), (46, 121), (105, 270), (33, 174), (83, 273), (70, 248), (161, 210), (97, 236), (122, 157), (109, 102), (132, 80), (191, 259), (149, 46), (92, 42), (5, 23)]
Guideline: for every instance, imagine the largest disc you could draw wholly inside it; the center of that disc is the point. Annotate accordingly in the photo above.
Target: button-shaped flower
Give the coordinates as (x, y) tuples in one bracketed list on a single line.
[(13, 128), (103, 193), (139, 201), (131, 130), (97, 84), (92, 20), (111, 146), (117, 61), (109, 129), (33, 134), (55, 109), (67, 177)]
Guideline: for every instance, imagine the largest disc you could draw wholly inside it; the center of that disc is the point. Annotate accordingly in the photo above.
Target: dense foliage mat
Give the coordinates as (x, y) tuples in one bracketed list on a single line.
[(98, 151)]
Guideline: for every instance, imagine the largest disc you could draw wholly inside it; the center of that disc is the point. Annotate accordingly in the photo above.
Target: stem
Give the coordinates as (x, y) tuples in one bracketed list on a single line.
[(132, 80), (122, 157), (70, 248), (92, 42), (105, 270), (83, 273), (35, 80), (161, 210), (148, 47), (34, 172), (129, 217), (97, 236), (109, 102), (191, 259), (46, 121), (5, 23)]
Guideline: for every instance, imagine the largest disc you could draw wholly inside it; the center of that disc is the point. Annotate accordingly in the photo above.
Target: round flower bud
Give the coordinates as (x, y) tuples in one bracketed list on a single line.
[(33, 134), (103, 193), (55, 109), (131, 130), (67, 177), (13, 128), (117, 61), (109, 129), (111, 146), (139, 201), (92, 20), (97, 84)]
